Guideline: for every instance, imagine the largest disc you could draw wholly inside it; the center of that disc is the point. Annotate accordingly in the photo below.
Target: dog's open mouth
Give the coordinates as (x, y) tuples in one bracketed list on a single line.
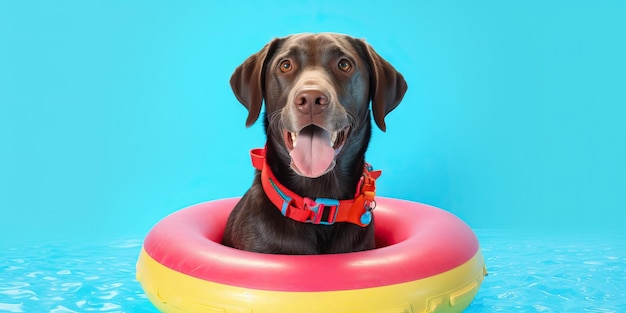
[(313, 149)]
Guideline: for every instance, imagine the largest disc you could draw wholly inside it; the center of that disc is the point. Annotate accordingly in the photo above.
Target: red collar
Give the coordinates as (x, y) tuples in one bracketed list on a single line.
[(321, 210)]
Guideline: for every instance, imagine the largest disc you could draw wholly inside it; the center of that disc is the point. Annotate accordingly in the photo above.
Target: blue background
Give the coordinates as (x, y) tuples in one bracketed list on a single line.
[(114, 114)]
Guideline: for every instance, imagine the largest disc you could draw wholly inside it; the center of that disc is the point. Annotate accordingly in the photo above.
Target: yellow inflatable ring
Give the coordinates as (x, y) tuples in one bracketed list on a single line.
[(427, 260)]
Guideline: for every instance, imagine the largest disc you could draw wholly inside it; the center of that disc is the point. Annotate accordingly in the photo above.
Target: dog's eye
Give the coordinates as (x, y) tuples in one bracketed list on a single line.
[(285, 66), (345, 65)]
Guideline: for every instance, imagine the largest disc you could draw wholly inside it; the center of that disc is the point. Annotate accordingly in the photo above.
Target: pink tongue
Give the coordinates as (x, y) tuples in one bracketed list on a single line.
[(312, 155)]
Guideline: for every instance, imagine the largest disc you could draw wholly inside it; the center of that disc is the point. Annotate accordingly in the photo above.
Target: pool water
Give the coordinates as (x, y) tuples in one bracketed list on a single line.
[(528, 272)]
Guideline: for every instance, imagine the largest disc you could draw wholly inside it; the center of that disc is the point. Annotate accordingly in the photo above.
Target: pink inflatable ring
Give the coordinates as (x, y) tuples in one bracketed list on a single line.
[(427, 260)]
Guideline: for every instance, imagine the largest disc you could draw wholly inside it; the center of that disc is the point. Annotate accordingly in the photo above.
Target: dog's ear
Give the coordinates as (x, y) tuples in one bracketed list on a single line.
[(248, 81), (387, 86)]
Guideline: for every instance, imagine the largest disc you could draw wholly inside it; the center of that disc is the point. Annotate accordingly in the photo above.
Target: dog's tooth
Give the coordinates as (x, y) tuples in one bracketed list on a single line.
[(294, 138), (333, 138)]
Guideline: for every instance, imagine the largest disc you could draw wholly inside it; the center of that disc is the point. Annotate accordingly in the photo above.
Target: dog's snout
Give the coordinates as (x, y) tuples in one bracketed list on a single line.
[(311, 101)]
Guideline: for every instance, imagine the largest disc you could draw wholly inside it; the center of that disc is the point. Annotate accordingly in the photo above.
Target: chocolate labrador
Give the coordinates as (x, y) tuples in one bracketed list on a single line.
[(312, 192)]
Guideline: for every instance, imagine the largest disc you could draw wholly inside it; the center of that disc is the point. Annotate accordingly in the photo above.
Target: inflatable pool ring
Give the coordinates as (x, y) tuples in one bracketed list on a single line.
[(427, 260)]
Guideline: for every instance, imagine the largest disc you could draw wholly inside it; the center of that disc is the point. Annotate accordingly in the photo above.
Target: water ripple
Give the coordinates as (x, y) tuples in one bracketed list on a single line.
[(69, 278), (552, 273)]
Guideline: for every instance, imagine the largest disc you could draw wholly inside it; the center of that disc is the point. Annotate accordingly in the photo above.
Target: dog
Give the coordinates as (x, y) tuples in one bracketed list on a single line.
[(313, 191)]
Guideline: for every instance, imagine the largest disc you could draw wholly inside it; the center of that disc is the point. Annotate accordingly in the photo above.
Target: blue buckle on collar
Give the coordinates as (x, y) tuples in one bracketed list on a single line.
[(319, 207)]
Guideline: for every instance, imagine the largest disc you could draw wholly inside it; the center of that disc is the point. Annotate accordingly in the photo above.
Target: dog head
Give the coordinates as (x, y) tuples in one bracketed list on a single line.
[(317, 90)]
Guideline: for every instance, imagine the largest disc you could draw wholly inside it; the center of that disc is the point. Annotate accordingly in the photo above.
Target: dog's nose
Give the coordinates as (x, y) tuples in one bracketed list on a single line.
[(311, 101)]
